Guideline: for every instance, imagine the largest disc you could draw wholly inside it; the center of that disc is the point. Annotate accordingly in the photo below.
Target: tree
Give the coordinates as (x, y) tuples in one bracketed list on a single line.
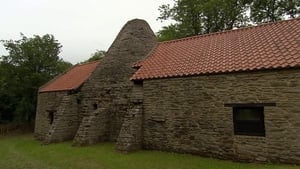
[(222, 15), (30, 63), (292, 8), (170, 32), (98, 55), (62, 66), (6, 103), (273, 10), (194, 17)]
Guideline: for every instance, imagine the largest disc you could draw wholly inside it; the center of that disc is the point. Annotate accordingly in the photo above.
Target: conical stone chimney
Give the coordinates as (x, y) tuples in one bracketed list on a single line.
[(105, 97)]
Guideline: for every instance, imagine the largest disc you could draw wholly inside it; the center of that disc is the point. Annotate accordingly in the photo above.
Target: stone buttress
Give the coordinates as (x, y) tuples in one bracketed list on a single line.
[(57, 117)]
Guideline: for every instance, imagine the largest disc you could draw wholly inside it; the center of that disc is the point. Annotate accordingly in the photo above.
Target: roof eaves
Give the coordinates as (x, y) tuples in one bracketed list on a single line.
[(133, 78), (57, 90)]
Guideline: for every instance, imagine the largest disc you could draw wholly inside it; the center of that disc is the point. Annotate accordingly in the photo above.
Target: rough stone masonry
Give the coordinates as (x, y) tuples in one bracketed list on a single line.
[(179, 114), (95, 111)]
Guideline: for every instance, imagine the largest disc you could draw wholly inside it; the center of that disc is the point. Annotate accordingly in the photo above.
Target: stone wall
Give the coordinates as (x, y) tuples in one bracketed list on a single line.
[(65, 120), (131, 134), (187, 114), (109, 87), (46, 102)]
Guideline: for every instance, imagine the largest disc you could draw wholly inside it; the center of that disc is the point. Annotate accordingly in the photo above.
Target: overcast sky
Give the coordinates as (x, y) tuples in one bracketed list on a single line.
[(81, 26)]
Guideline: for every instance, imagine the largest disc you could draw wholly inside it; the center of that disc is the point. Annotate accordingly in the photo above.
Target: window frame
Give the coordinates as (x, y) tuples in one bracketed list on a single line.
[(250, 105), (249, 127)]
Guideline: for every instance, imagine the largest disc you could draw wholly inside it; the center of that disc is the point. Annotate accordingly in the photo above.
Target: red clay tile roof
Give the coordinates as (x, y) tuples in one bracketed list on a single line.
[(267, 46), (71, 79)]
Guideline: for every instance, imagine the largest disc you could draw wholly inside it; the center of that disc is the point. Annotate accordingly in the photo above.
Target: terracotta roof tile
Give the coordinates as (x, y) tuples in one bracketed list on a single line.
[(267, 46), (71, 79)]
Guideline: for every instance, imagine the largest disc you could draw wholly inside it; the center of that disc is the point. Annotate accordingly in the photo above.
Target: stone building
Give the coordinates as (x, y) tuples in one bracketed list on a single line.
[(57, 117), (230, 95), (92, 109)]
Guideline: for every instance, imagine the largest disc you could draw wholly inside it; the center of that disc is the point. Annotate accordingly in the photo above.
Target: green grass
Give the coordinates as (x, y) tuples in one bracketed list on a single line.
[(23, 152)]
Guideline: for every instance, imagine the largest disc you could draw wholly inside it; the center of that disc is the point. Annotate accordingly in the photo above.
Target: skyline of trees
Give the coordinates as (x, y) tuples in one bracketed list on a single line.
[(195, 17)]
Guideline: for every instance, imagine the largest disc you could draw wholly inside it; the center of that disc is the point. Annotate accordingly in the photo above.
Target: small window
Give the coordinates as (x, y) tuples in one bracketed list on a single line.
[(78, 101), (51, 116), (138, 82), (249, 121), (95, 106)]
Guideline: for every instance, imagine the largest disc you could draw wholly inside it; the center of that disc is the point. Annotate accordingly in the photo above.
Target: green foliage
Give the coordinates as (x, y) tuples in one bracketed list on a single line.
[(20, 152), (62, 66), (98, 55), (170, 32), (30, 63), (6, 102), (273, 10), (194, 17)]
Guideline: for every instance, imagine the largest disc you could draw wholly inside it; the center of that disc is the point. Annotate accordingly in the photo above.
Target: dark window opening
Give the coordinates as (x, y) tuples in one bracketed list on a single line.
[(138, 82), (51, 116), (249, 121), (78, 101), (108, 91), (95, 106)]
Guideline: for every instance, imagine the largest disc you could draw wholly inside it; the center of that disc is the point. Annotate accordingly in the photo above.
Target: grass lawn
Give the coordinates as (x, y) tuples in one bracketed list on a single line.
[(23, 152)]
